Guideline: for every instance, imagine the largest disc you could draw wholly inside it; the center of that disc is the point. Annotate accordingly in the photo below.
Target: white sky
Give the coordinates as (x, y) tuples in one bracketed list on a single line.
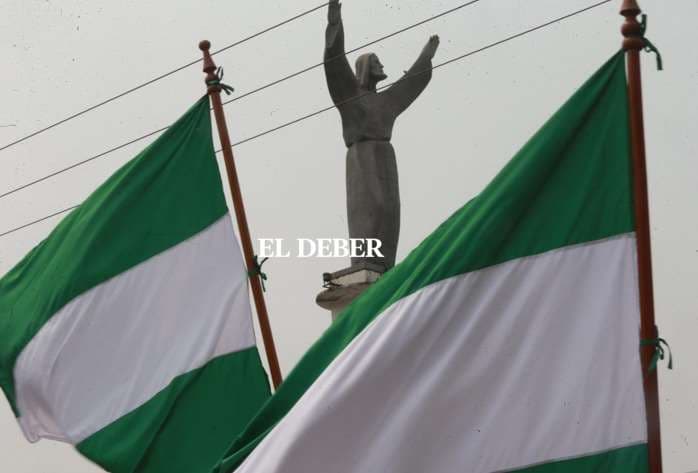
[(62, 56)]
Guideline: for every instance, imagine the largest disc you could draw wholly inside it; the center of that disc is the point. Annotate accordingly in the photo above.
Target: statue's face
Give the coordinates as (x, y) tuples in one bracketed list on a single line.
[(376, 69)]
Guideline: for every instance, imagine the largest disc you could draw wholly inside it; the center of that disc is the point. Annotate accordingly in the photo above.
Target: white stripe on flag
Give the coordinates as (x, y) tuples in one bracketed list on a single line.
[(114, 347), (525, 362)]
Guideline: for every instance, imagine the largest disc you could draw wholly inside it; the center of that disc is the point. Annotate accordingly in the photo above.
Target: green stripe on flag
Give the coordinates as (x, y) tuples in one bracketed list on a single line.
[(216, 400), (569, 184), (168, 193), (632, 459)]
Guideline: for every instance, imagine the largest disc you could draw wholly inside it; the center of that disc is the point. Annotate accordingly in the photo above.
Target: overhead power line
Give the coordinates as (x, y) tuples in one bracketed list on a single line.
[(80, 163), (365, 45), (247, 94), (452, 60), (157, 78), (322, 110), (38, 220)]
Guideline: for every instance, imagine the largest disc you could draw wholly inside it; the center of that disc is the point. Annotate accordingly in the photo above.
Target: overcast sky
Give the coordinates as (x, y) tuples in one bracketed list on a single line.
[(62, 56)]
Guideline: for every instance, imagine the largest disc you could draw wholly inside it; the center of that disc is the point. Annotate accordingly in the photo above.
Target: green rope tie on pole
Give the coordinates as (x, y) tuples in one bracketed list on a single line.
[(658, 352), (649, 47), (257, 271), (217, 81)]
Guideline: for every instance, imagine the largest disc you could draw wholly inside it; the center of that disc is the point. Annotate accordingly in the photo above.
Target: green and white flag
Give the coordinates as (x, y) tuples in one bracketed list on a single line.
[(507, 341), (128, 331)]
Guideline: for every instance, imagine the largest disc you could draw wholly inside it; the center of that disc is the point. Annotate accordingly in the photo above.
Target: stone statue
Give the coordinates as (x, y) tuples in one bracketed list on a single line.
[(373, 197)]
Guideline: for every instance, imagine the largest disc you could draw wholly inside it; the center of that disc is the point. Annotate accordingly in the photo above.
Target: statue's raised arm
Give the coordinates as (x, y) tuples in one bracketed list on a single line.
[(340, 78), (405, 91)]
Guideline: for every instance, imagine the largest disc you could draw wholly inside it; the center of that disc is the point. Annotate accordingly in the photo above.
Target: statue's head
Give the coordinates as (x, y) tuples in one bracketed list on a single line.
[(369, 71)]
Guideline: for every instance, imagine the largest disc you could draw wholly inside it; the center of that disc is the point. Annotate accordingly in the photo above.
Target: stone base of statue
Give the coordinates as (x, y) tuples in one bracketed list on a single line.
[(343, 286)]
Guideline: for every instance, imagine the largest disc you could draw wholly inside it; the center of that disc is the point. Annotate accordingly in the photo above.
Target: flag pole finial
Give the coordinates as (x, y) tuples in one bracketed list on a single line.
[(632, 30), (209, 66), (629, 6)]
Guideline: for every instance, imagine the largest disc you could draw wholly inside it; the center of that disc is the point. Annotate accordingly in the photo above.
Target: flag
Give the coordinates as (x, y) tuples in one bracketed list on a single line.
[(127, 332), (508, 340)]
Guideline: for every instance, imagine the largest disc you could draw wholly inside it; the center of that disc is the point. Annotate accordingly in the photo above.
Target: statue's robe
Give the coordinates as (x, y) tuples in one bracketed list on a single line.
[(373, 196)]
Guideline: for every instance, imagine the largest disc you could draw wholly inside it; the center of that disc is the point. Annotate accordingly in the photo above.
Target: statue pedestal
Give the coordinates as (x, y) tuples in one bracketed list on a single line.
[(343, 286)]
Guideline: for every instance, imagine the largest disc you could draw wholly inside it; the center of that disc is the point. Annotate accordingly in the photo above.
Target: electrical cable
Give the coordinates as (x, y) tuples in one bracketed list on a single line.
[(318, 112), (452, 60), (266, 86), (39, 220), (80, 163), (155, 79), (370, 43)]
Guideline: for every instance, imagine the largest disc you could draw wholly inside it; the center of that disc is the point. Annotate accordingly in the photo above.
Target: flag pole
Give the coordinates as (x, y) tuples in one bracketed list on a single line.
[(633, 43), (214, 92)]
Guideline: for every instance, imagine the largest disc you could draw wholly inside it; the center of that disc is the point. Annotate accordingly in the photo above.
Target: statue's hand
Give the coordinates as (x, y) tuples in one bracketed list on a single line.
[(334, 12), (431, 47)]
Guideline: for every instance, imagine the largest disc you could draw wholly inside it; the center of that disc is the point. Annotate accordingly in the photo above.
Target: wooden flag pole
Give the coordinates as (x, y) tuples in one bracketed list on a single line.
[(633, 43), (214, 91)]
